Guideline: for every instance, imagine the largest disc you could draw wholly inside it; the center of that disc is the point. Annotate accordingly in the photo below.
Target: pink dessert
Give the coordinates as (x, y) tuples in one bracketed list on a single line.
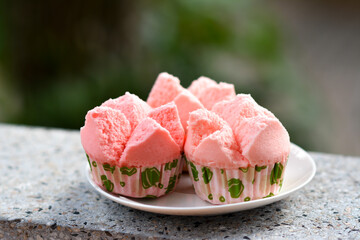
[(168, 117), (261, 137), (165, 89), (149, 145), (210, 141), (198, 86), (132, 149), (209, 92), (237, 152), (105, 134), (186, 102), (131, 106)]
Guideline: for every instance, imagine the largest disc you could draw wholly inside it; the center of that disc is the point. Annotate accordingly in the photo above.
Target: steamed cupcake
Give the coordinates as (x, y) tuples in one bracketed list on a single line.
[(202, 93), (132, 149), (166, 89), (210, 92), (237, 152)]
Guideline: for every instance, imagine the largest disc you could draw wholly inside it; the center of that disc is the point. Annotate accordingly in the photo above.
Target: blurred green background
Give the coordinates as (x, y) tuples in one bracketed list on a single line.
[(59, 59)]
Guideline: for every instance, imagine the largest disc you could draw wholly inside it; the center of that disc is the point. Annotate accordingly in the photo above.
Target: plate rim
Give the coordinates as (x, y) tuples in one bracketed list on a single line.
[(199, 210)]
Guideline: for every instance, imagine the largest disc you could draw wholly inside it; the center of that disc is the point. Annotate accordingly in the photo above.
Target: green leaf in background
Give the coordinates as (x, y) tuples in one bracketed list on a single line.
[(244, 170), (259, 168), (276, 173), (195, 172), (108, 168), (270, 195), (87, 156), (171, 165), (150, 177), (128, 171), (171, 185), (207, 174), (236, 187)]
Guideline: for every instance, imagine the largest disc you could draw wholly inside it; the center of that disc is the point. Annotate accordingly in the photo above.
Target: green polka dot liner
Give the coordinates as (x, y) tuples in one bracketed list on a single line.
[(137, 182), (224, 186)]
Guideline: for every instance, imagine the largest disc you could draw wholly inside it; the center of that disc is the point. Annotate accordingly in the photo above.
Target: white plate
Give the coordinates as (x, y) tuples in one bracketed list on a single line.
[(183, 201)]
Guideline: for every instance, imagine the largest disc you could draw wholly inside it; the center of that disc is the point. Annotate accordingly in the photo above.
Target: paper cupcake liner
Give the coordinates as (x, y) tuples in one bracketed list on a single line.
[(138, 182), (223, 186), (185, 168)]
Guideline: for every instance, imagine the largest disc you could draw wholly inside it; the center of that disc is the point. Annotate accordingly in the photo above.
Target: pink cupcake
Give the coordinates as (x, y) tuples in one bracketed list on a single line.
[(237, 152), (132, 149), (202, 93), (166, 89), (210, 92)]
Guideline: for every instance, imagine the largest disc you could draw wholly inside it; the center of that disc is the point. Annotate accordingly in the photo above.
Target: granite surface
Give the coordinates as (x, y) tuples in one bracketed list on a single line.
[(44, 194)]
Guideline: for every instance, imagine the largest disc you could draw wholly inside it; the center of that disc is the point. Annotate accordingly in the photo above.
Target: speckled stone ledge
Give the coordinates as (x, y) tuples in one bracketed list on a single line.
[(44, 195)]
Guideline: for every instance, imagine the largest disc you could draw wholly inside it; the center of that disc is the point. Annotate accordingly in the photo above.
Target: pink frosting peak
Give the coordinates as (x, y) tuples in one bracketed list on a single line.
[(168, 117), (262, 139), (105, 134), (131, 106), (149, 145), (186, 102), (165, 89), (211, 142), (209, 92)]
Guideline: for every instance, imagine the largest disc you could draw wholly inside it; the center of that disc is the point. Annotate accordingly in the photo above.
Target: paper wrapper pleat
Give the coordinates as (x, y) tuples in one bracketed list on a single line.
[(137, 182), (224, 186)]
